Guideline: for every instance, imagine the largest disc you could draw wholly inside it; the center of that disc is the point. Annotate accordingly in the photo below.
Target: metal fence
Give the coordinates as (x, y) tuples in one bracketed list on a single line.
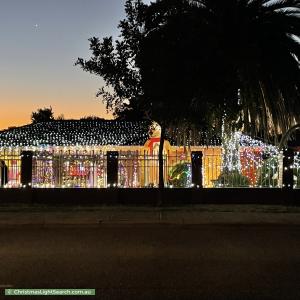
[(136, 170)]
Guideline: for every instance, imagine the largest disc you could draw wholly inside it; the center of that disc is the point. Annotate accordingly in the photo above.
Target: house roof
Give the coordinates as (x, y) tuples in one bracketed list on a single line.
[(77, 132), (99, 133)]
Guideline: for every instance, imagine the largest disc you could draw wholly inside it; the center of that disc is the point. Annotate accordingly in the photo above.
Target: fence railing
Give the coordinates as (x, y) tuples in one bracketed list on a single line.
[(136, 170)]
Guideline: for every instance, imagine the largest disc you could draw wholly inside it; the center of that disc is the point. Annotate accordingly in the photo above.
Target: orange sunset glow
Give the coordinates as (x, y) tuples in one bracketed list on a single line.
[(74, 102), (40, 42)]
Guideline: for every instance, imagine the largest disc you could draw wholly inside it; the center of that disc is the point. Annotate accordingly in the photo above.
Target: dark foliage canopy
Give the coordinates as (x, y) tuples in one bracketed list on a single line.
[(148, 71), (115, 63), (204, 63), (255, 51), (42, 115)]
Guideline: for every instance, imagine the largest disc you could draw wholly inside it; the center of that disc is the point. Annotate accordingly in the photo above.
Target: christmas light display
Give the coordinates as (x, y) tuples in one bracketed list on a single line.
[(269, 173), (231, 155), (180, 175), (100, 175), (135, 182), (249, 158), (77, 133), (74, 154), (43, 173), (296, 168), (123, 175)]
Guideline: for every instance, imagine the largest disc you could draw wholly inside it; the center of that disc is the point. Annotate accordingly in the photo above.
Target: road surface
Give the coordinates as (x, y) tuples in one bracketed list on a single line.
[(155, 261)]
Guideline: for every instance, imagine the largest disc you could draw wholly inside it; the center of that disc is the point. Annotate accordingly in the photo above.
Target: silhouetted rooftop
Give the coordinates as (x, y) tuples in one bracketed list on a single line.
[(77, 132), (89, 133)]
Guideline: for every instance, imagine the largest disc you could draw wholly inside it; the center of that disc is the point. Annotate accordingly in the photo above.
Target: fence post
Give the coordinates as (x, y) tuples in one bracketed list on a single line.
[(145, 172), (112, 168), (287, 174), (56, 170), (26, 168), (197, 169), (3, 173)]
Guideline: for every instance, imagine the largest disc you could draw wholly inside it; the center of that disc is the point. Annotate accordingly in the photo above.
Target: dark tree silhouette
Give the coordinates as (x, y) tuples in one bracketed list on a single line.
[(42, 115), (209, 64), (150, 77), (115, 62), (254, 45), (168, 61)]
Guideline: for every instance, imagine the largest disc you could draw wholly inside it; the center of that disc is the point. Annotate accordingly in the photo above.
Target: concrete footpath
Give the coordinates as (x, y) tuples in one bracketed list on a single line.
[(36, 215)]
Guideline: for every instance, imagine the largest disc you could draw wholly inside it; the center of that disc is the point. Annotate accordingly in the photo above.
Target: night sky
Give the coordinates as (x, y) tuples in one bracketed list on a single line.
[(40, 42)]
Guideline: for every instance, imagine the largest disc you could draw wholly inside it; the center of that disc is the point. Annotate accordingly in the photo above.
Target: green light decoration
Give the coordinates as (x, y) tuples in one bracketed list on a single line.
[(180, 175), (232, 178), (268, 173)]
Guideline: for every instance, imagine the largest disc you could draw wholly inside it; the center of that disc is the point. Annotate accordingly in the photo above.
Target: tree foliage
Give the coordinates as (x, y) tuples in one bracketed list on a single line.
[(232, 178), (115, 62), (170, 68), (179, 175), (210, 64), (177, 59), (254, 45), (140, 73), (42, 115), (147, 76)]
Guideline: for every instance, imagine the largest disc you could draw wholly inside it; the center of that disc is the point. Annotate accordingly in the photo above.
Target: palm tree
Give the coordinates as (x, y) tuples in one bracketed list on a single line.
[(255, 46), (287, 135)]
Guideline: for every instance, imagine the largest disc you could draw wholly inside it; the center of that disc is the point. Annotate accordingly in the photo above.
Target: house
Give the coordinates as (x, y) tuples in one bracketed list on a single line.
[(75, 153)]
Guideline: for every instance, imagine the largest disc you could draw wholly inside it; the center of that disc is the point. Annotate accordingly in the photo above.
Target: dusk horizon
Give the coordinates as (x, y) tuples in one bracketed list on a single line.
[(41, 41), (150, 149)]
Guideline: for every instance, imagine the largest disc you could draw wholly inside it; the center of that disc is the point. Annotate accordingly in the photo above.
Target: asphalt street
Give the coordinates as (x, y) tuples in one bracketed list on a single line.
[(154, 261)]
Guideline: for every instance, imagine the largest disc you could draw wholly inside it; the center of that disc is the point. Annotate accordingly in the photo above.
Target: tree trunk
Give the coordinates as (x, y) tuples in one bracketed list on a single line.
[(160, 157)]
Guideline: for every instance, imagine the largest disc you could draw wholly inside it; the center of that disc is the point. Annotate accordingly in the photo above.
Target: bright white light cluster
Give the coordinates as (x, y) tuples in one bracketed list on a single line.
[(247, 141), (77, 133), (231, 154), (247, 156)]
